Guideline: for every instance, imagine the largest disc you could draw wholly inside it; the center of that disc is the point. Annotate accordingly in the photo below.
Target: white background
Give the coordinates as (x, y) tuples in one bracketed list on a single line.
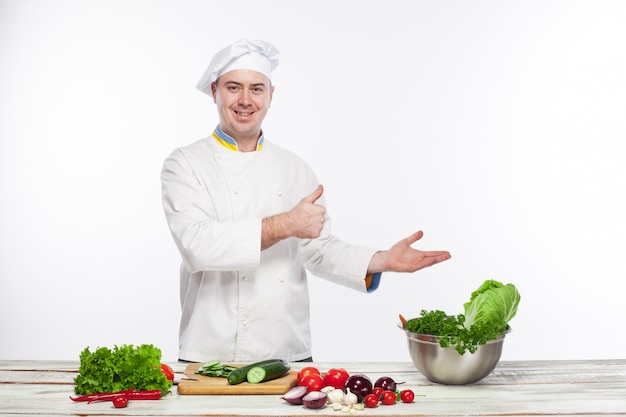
[(497, 127)]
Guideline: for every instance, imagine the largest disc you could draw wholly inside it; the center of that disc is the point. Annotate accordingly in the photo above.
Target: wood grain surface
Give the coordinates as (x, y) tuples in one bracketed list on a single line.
[(552, 388)]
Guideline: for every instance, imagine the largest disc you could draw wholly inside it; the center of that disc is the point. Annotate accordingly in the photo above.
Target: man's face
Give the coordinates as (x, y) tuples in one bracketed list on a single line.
[(243, 98)]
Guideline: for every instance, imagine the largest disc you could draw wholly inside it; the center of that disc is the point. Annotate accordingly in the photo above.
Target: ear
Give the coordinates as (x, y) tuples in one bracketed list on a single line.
[(214, 90), (271, 93)]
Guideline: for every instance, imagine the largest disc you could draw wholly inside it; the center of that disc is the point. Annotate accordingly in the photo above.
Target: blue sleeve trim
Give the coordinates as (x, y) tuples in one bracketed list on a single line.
[(375, 282)]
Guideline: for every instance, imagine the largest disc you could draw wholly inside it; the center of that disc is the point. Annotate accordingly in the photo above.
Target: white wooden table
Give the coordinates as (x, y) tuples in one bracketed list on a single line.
[(544, 388)]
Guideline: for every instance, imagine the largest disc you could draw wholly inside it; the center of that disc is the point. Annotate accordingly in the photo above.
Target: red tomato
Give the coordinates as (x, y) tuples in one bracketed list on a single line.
[(167, 371), (378, 391), (388, 397), (371, 400), (314, 382), (120, 402), (336, 377), (307, 371), (407, 396)]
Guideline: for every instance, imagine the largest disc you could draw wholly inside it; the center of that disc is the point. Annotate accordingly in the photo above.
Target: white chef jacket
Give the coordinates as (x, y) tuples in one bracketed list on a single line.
[(241, 304)]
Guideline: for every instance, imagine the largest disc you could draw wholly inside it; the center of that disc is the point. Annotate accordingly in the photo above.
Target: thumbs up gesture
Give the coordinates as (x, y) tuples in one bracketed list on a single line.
[(307, 218), (304, 221)]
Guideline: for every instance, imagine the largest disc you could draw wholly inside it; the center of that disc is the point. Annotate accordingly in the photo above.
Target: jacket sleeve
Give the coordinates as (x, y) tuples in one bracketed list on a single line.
[(338, 261), (205, 242)]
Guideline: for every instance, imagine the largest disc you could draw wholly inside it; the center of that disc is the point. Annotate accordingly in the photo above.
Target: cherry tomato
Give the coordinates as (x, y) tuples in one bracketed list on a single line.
[(388, 397), (378, 391), (307, 371), (371, 400), (407, 396), (167, 371), (120, 402), (336, 377), (314, 382)]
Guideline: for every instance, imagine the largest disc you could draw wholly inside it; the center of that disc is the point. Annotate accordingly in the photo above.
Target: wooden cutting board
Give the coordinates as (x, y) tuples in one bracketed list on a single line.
[(206, 385)]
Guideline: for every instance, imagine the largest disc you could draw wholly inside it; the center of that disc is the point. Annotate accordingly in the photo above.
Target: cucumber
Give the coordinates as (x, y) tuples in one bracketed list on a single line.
[(267, 372), (240, 374)]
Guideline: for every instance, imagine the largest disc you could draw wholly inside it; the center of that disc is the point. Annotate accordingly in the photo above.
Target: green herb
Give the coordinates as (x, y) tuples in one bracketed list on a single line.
[(485, 318), (121, 368)]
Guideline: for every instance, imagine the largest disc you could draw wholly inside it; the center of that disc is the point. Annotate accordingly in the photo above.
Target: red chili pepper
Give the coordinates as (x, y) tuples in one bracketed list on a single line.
[(100, 395), (153, 394), (128, 394)]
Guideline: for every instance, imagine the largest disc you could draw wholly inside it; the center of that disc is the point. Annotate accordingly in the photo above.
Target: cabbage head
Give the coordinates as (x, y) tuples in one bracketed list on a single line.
[(492, 306)]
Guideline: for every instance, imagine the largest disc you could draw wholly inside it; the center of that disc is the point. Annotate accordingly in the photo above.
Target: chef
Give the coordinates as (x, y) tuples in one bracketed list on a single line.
[(249, 219)]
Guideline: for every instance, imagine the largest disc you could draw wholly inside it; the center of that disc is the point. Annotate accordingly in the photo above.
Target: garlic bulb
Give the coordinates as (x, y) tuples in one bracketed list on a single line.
[(335, 396), (350, 398)]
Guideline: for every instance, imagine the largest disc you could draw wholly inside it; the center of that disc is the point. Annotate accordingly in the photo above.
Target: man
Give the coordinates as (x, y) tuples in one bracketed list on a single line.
[(248, 217)]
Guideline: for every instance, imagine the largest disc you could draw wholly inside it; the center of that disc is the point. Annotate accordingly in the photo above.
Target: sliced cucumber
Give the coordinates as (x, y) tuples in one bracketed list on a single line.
[(267, 372), (240, 374), (256, 374)]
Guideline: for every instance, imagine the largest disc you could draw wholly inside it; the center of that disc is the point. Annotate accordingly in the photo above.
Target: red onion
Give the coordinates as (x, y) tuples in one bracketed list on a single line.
[(315, 399), (294, 395)]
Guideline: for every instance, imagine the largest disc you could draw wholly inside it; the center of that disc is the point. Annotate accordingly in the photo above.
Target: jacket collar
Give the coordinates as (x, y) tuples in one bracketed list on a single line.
[(230, 143)]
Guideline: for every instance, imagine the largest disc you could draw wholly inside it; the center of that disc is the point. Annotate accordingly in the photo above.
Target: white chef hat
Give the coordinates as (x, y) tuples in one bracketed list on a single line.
[(256, 55)]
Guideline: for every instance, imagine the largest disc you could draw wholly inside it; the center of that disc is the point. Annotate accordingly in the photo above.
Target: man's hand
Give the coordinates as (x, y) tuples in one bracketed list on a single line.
[(401, 257), (307, 218), (304, 221)]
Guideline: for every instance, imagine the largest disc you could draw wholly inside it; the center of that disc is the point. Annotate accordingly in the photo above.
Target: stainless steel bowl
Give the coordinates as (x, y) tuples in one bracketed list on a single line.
[(446, 365)]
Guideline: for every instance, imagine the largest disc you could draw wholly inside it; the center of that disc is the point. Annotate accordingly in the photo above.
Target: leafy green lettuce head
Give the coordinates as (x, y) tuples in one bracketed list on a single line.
[(121, 368), (492, 305)]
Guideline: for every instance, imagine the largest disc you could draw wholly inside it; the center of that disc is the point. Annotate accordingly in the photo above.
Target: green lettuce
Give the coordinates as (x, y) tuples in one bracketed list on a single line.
[(493, 305), (121, 368)]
